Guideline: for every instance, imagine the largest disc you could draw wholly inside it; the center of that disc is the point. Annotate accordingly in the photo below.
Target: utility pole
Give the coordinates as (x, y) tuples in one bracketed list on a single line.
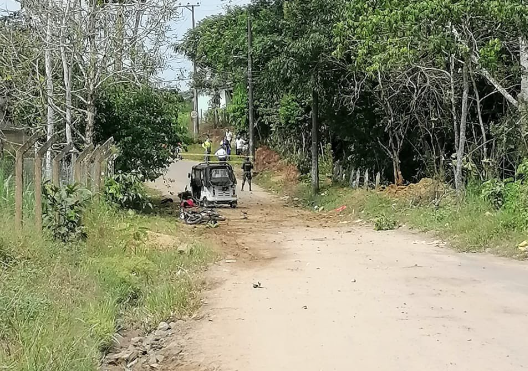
[(250, 91), (195, 90), (315, 141), (196, 124)]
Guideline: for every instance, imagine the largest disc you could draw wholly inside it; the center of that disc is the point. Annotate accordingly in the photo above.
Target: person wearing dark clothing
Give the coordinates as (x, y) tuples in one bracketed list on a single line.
[(247, 168)]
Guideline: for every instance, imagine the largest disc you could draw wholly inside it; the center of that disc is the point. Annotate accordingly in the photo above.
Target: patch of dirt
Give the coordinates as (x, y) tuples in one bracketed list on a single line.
[(426, 190), (160, 241), (269, 160)]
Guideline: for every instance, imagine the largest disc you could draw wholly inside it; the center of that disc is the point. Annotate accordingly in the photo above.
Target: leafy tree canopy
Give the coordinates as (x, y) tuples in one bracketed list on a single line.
[(144, 124)]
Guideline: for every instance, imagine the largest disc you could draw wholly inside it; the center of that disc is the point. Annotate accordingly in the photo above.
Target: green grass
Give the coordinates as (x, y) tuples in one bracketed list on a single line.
[(7, 188), (61, 305), (472, 225)]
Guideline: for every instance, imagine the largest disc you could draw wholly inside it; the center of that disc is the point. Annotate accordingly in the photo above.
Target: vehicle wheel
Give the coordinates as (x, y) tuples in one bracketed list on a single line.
[(234, 205), (194, 219)]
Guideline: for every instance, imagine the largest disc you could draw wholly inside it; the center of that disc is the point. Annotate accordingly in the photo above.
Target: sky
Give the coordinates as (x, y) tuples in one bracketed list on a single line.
[(206, 8), (177, 73)]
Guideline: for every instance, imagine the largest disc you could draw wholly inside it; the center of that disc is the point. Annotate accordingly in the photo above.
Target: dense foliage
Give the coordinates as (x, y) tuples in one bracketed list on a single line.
[(87, 85), (144, 123), (127, 191), (63, 212), (409, 88)]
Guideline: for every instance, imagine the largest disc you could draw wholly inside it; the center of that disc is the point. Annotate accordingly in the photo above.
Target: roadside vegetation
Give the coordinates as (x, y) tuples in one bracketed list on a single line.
[(108, 261), (414, 90), (409, 89), (62, 304), (491, 218)]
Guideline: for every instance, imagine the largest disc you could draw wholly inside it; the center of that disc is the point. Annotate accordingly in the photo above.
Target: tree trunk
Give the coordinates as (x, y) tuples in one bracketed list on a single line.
[(479, 114), (453, 98), (120, 29), (68, 92), (67, 77), (315, 142), (398, 177), (459, 181), (394, 153), (90, 117), (134, 47), (523, 96), (215, 118), (92, 74), (49, 90)]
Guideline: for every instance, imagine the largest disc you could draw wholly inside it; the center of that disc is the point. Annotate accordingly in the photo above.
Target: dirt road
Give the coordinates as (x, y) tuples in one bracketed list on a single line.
[(349, 298)]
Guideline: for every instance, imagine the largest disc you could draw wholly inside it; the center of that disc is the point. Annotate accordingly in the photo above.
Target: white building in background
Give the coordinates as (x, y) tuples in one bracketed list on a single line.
[(203, 101)]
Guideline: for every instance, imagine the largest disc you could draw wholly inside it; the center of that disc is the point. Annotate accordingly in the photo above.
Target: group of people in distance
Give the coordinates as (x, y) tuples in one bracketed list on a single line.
[(225, 149), (224, 152)]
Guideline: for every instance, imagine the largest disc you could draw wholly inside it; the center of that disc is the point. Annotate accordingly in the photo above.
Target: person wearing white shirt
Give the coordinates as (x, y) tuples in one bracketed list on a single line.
[(240, 142), (221, 154), (229, 135)]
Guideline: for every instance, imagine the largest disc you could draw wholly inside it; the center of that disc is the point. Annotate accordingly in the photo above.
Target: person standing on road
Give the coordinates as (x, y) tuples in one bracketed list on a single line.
[(229, 136), (247, 168), (240, 142), (221, 154), (227, 146), (178, 152), (207, 147)]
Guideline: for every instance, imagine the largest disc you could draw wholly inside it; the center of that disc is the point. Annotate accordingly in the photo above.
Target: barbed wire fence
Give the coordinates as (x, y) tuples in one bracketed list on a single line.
[(87, 168)]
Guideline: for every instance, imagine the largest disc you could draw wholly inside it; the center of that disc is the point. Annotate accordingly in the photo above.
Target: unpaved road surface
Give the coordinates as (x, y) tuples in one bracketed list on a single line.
[(344, 297)]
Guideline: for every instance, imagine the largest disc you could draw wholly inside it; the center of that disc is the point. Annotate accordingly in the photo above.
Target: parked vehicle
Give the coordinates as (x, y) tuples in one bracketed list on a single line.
[(214, 184)]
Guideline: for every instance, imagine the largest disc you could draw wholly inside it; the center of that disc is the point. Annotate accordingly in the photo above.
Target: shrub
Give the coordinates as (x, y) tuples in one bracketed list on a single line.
[(511, 197), (63, 211), (385, 223), (493, 192), (127, 191), (522, 169), (144, 123)]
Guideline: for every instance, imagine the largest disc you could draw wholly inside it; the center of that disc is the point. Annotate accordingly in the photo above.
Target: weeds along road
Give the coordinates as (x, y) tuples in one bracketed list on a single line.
[(344, 297)]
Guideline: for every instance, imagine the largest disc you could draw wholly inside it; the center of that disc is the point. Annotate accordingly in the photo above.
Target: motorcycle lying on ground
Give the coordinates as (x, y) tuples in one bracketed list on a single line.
[(198, 216), (204, 216)]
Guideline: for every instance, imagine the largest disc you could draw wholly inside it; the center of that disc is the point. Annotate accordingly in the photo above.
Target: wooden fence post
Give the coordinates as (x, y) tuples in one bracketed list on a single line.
[(107, 155), (96, 177), (98, 158), (87, 169), (358, 178), (78, 167), (366, 184), (38, 178), (57, 163), (111, 164), (335, 175), (19, 178), (378, 179)]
